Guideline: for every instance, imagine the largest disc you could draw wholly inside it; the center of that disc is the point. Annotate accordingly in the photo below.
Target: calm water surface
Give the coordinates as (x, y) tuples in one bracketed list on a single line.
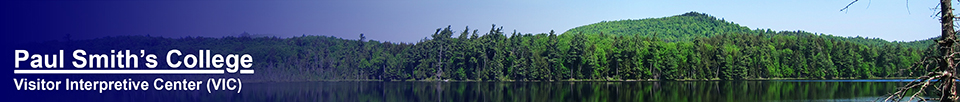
[(657, 91)]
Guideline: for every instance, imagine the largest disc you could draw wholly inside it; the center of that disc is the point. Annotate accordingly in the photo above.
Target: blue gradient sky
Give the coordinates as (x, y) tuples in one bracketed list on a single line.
[(410, 21)]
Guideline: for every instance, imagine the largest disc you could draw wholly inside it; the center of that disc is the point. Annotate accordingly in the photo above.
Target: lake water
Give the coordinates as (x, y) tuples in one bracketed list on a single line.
[(656, 91)]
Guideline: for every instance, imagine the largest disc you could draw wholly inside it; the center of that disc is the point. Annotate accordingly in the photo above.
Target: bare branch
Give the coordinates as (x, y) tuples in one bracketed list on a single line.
[(848, 5), (908, 6)]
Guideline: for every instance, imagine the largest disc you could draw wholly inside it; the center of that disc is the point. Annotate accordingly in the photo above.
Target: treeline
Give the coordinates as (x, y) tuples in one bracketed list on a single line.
[(495, 55), (728, 56)]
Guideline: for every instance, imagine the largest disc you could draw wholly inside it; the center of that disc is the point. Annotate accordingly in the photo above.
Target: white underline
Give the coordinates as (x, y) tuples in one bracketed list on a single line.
[(246, 71), (127, 71)]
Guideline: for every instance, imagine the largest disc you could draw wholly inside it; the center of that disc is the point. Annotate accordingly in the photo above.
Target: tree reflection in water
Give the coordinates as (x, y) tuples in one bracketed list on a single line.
[(656, 91)]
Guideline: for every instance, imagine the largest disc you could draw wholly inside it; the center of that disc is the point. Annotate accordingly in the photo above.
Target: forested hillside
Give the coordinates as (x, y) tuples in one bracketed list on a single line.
[(699, 47), (689, 26), (684, 27)]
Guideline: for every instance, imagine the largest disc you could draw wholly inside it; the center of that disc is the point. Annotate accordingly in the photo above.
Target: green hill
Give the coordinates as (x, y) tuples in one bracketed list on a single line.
[(691, 25), (682, 27)]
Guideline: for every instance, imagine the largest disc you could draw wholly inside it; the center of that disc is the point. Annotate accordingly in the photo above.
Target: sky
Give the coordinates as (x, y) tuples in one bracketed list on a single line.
[(413, 20)]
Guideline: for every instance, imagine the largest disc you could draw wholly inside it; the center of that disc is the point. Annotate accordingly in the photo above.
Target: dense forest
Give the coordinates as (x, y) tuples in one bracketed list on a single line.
[(691, 46)]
